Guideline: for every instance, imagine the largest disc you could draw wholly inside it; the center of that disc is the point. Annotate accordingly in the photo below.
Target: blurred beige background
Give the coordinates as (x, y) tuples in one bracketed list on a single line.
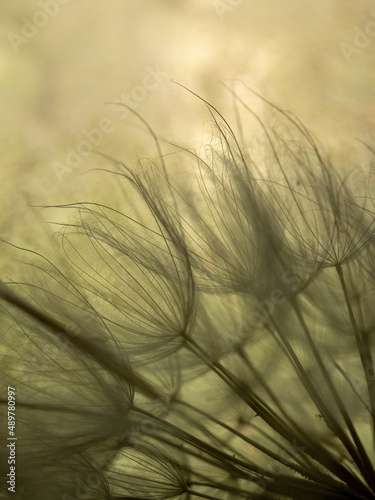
[(63, 61)]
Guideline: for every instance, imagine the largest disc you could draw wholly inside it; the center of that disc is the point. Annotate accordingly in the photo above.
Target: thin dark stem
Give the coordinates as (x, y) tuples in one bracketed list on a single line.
[(358, 454), (362, 345), (200, 495), (223, 457)]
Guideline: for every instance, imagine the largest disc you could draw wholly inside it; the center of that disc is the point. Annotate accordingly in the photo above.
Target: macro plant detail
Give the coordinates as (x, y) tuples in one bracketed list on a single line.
[(212, 339)]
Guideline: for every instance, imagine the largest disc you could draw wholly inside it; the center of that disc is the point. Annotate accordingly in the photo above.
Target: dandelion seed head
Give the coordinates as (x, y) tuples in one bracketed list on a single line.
[(214, 340)]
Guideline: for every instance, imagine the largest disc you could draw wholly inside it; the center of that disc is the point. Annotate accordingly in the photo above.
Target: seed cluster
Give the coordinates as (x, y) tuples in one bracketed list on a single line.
[(212, 341)]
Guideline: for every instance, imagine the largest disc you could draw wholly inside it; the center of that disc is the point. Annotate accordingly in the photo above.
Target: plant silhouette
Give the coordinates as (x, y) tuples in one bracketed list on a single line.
[(213, 341)]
